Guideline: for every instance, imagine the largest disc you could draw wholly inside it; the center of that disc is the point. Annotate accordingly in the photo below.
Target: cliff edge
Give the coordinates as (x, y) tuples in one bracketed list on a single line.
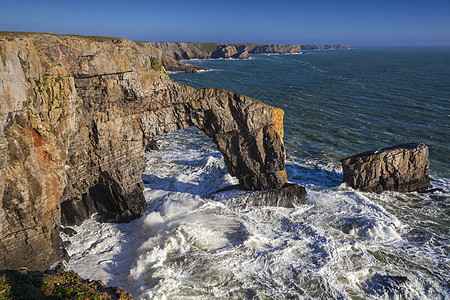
[(76, 114)]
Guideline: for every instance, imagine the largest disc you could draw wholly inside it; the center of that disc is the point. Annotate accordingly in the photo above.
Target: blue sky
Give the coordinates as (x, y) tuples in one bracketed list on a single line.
[(375, 22)]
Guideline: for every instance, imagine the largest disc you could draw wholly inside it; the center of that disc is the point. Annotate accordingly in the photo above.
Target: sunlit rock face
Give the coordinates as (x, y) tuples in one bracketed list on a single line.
[(76, 115), (402, 168)]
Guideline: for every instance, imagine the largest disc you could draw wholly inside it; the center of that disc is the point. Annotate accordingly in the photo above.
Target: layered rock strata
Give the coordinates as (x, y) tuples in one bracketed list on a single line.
[(290, 195), (76, 116), (402, 168)]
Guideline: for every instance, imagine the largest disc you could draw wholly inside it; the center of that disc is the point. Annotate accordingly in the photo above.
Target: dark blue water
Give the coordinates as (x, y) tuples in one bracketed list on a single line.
[(339, 103)]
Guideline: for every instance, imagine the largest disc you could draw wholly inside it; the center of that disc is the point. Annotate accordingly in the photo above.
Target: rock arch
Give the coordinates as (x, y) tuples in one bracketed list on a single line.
[(76, 114), (247, 132)]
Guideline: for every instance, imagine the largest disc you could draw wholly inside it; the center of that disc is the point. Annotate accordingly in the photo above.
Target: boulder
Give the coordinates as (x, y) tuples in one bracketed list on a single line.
[(401, 168), (290, 195)]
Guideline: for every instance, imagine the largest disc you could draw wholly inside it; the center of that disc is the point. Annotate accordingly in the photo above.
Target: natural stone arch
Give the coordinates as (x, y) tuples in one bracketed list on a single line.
[(74, 122), (247, 132)]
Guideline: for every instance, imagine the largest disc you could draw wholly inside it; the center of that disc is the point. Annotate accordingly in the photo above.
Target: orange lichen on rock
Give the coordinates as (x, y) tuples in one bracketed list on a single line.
[(37, 139), (277, 119)]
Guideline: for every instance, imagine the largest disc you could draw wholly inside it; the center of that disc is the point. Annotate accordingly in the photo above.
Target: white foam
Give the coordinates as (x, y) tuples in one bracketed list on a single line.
[(190, 245)]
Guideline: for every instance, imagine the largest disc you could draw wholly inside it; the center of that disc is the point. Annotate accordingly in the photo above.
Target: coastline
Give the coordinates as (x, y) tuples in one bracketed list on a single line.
[(174, 53)]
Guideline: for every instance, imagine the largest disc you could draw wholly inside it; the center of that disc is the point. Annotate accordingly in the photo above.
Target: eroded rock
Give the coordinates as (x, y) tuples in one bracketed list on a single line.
[(76, 116), (402, 168), (290, 195)]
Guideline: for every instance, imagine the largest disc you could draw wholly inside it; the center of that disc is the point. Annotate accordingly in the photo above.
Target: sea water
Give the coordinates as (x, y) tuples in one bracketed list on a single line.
[(343, 244)]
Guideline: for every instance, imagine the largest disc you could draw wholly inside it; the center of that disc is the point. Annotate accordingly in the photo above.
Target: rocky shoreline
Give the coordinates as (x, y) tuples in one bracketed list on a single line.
[(77, 114), (171, 53)]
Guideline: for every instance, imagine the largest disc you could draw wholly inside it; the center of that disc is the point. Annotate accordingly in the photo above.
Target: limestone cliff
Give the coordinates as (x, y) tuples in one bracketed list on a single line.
[(325, 47), (76, 114), (173, 52)]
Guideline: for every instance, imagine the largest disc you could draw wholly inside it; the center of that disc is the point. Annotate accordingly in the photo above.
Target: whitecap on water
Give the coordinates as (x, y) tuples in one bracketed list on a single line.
[(341, 244)]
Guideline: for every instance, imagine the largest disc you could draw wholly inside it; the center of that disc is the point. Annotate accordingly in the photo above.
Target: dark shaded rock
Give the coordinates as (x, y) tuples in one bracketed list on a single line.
[(402, 168), (69, 231), (224, 51), (152, 145), (241, 55), (289, 196), (386, 285), (60, 267), (65, 255)]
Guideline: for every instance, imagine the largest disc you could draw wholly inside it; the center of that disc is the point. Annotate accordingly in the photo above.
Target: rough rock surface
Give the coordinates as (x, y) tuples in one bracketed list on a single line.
[(76, 115), (290, 196), (169, 62), (274, 49), (170, 53), (402, 168)]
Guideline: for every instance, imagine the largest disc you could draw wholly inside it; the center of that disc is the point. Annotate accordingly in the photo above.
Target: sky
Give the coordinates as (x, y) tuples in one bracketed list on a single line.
[(374, 22)]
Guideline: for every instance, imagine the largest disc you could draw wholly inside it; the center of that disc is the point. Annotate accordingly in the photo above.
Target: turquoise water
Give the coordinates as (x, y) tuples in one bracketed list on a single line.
[(339, 103)]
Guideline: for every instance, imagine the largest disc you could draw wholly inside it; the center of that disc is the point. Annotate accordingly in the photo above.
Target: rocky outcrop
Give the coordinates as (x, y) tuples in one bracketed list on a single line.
[(274, 49), (168, 62), (182, 51), (171, 53), (402, 168), (76, 116), (289, 196)]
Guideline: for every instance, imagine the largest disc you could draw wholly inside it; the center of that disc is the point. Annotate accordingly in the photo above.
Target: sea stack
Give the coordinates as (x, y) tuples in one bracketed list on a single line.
[(401, 168)]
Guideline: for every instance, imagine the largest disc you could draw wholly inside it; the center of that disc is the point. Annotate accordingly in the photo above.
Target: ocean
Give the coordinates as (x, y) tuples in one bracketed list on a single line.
[(343, 244)]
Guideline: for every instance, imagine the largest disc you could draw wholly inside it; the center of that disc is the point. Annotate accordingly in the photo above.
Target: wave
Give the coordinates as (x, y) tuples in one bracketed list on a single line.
[(341, 244)]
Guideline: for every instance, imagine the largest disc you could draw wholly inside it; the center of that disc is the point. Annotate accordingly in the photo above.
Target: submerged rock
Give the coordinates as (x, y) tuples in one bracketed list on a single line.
[(402, 168), (69, 231), (387, 285)]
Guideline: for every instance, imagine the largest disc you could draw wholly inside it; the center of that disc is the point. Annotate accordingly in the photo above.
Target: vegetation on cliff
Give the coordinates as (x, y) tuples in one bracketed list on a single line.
[(24, 284)]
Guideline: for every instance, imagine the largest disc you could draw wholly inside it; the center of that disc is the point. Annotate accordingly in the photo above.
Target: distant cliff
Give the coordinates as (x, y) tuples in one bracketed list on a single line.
[(173, 52), (76, 115), (325, 47)]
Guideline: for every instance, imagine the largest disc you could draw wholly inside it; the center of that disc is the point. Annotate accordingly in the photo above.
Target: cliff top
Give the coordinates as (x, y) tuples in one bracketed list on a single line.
[(18, 34)]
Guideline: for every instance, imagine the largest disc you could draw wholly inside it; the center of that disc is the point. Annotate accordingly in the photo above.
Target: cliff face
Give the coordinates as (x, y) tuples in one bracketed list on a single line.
[(173, 52), (325, 47), (76, 116)]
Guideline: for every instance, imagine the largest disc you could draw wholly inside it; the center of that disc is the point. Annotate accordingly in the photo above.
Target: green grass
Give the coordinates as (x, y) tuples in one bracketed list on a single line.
[(11, 34), (155, 65), (24, 285), (206, 46)]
